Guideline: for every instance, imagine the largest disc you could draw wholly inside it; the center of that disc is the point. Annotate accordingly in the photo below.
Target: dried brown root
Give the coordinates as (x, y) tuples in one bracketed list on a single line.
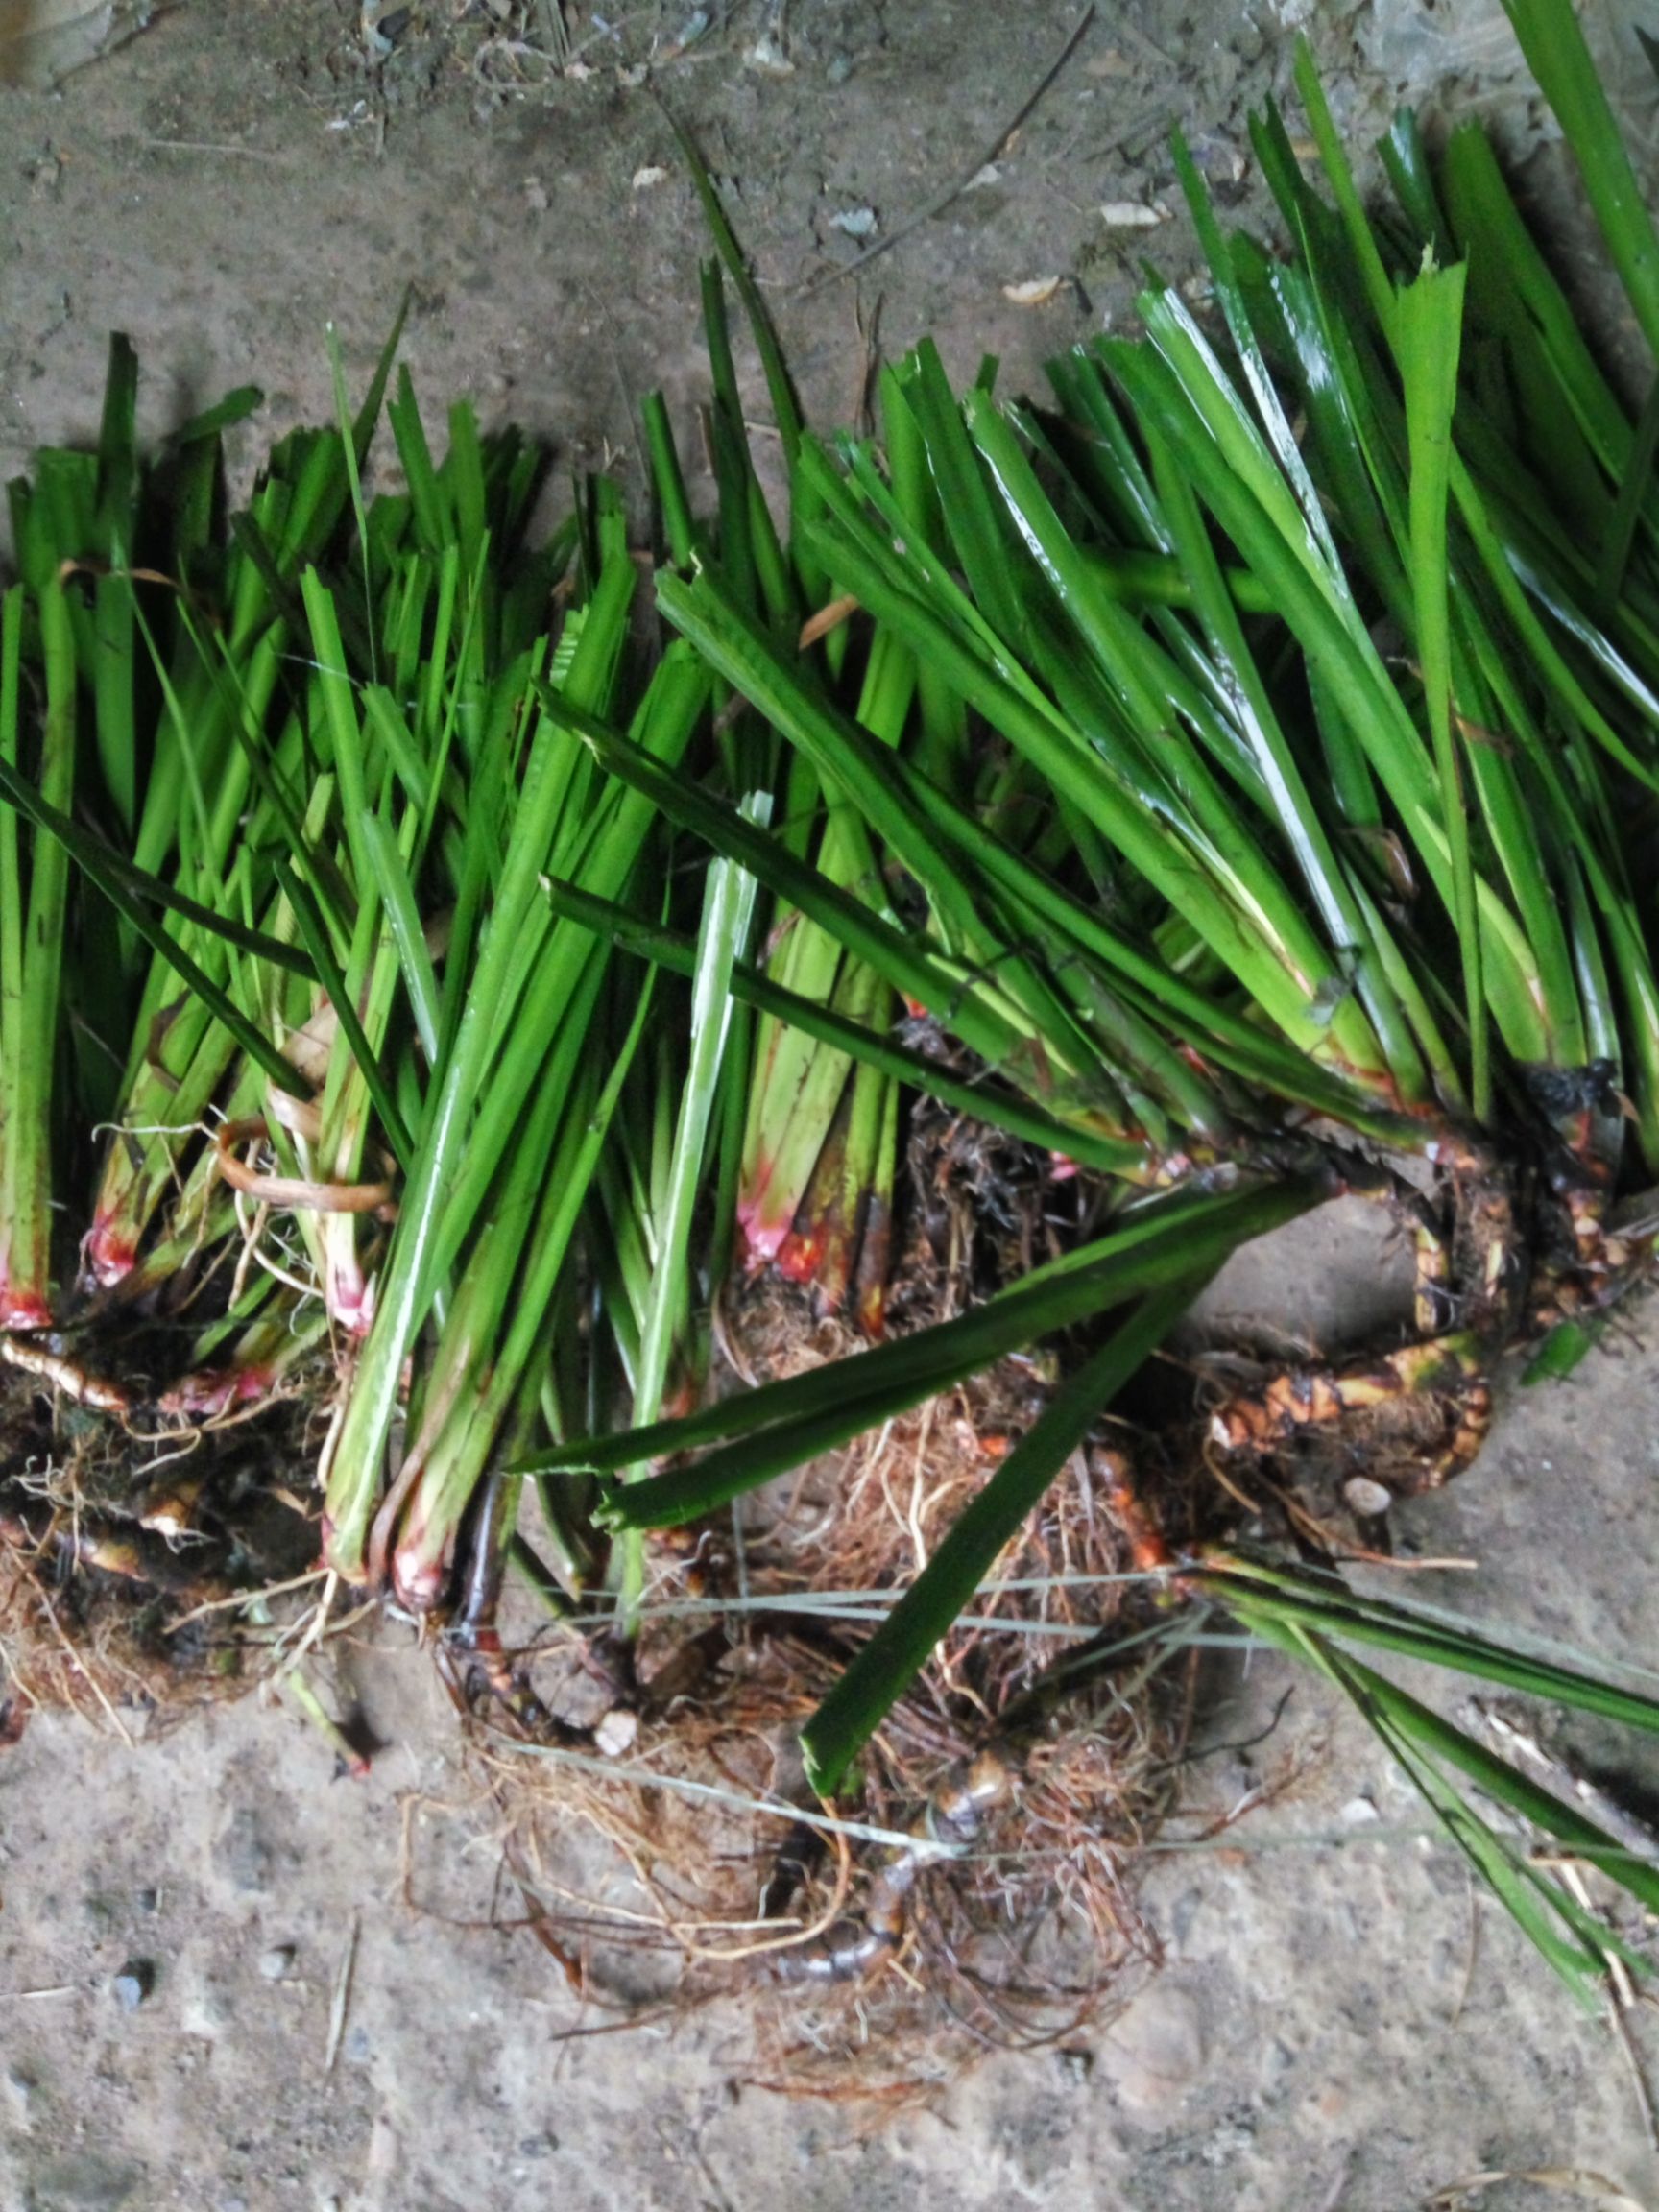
[(1125, 1500), (1575, 1252), (661, 1830), (1471, 1260), (1612, 1252), (955, 1818), (34, 1528), (1488, 1259), (1449, 1370), (883, 1952), (43, 1356), (82, 1630), (127, 1558), (1433, 1299)]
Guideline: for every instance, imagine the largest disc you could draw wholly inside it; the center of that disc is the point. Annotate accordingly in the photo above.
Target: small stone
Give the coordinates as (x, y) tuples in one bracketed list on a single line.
[(1034, 292), (616, 1734), (147, 1900), (767, 57), (1368, 1499), (1075, 2066), (277, 1964), (133, 1986), (1359, 1813)]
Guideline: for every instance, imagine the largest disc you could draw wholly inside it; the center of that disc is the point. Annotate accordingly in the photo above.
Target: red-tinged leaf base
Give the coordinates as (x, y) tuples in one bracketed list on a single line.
[(214, 1391), (22, 1310), (107, 1257)]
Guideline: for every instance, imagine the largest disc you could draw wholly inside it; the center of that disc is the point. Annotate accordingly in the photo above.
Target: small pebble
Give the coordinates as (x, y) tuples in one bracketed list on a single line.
[(616, 1734), (133, 1983), (1359, 1813), (277, 1964), (1034, 292), (1367, 1497), (1132, 215)]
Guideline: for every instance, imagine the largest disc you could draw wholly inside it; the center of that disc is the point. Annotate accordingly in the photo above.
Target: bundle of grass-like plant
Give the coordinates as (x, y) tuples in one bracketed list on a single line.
[(1280, 794), (1220, 788)]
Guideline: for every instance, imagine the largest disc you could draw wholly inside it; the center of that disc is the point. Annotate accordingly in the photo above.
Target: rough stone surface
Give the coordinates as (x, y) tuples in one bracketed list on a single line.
[(1154, 2052)]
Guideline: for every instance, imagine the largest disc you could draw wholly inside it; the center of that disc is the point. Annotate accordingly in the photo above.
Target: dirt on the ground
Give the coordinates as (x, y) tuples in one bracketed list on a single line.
[(230, 1976)]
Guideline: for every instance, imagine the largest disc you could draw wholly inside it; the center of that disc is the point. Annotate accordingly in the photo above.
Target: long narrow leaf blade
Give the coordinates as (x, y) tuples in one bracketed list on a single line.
[(883, 1670)]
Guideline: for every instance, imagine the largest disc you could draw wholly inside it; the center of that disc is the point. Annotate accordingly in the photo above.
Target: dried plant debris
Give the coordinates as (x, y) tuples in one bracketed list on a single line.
[(135, 1554), (980, 1888)]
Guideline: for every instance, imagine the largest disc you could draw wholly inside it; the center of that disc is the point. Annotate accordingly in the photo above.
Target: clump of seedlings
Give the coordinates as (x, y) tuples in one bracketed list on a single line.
[(482, 1025)]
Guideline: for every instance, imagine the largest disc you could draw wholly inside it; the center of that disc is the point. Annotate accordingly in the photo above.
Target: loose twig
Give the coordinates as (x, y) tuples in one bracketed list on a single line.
[(938, 205), (342, 1999)]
